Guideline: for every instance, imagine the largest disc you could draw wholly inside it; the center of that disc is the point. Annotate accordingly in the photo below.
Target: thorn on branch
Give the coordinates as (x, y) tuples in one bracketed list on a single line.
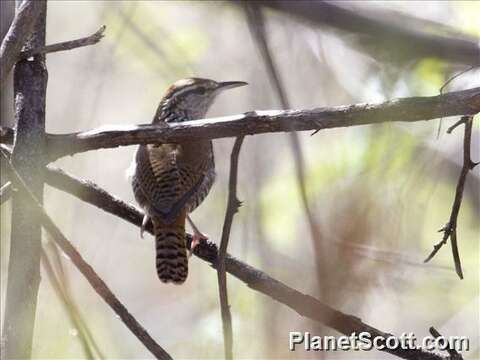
[(450, 229)]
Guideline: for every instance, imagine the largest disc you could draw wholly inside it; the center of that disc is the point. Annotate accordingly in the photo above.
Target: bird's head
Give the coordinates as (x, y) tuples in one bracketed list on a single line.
[(189, 99)]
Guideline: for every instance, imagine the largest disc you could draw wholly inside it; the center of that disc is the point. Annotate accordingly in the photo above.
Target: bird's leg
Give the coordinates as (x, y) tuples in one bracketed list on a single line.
[(197, 235), (144, 224)]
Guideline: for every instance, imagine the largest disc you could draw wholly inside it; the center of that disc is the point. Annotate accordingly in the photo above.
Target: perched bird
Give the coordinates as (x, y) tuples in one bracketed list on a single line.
[(171, 180)]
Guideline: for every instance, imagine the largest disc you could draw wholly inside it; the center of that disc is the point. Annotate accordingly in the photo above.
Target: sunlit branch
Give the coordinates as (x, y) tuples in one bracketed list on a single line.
[(257, 122), (66, 45)]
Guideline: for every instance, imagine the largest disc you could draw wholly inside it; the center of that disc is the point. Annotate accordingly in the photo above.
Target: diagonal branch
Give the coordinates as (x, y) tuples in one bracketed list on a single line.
[(232, 208), (19, 32), (404, 109), (66, 45), (384, 28), (95, 281), (304, 305), (450, 229)]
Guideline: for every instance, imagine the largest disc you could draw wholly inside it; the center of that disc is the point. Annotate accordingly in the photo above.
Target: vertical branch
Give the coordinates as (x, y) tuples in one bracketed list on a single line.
[(30, 84), (257, 28), (450, 229), (232, 208)]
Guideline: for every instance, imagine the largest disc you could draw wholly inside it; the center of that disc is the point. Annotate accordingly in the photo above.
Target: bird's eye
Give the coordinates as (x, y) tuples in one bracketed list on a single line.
[(202, 90)]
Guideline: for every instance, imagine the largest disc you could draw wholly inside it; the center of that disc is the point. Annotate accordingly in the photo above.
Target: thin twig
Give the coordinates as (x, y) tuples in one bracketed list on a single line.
[(67, 302), (256, 24), (303, 304), (450, 229), (441, 92), (66, 45), (232, 208), (95, 281), (64, 283), (257, 122)]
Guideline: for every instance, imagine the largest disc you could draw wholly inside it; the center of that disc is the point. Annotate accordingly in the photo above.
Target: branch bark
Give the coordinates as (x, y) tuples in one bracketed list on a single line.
[(380, 29), (95, 281), (404, 109), (66, 45), (304, 305), (450, 229), (18, 34), (30, 84)]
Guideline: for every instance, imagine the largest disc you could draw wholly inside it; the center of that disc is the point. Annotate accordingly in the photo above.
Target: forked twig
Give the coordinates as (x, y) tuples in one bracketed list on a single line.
[(450, 229), (232, 208)]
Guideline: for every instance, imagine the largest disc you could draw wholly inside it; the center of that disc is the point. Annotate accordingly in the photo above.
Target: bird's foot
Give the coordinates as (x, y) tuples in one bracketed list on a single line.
[(196, 239)]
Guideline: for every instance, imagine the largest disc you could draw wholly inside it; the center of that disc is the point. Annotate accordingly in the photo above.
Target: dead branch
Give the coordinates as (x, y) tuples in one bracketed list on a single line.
[(232, 208), (66, 45), (304, 305), (450, 229), (19, 32), (257, 122), (95, 281), (381, 29), (29, 85)]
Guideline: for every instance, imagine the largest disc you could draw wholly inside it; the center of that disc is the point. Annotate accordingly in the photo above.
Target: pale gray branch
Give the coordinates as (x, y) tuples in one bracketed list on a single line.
[(257, 122)]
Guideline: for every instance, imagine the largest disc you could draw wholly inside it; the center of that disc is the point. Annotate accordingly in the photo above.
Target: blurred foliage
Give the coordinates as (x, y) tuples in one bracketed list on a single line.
[(379, 193)]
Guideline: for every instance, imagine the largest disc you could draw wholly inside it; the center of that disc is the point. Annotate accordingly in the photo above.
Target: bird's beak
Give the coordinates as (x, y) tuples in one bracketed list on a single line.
[(230, 85)]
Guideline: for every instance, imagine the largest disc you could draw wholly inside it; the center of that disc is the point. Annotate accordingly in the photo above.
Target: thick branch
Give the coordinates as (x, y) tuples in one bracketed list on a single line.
[(28, 156), (19, 32), (232, 208), (381, 29), (303, 304), (66, 45), (95, 281), (257, 122)]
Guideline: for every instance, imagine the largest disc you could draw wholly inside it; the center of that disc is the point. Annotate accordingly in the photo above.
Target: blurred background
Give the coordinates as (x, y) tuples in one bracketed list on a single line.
[(378, 194)]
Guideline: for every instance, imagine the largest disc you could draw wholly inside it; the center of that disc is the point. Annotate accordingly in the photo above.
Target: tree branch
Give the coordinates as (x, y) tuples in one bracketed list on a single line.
[(95, 281), (232, 208), (382, 29), (66, 45), (304, 305), (19, 32), (404, 109), (450, 229), (256, 24), (28, 156)]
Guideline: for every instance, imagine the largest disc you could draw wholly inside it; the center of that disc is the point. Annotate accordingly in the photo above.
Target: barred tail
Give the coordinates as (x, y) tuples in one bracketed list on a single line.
[(171, 260)]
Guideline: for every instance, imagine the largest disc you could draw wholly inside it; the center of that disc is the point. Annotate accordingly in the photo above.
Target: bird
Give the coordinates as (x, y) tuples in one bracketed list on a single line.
[(170, 180)]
